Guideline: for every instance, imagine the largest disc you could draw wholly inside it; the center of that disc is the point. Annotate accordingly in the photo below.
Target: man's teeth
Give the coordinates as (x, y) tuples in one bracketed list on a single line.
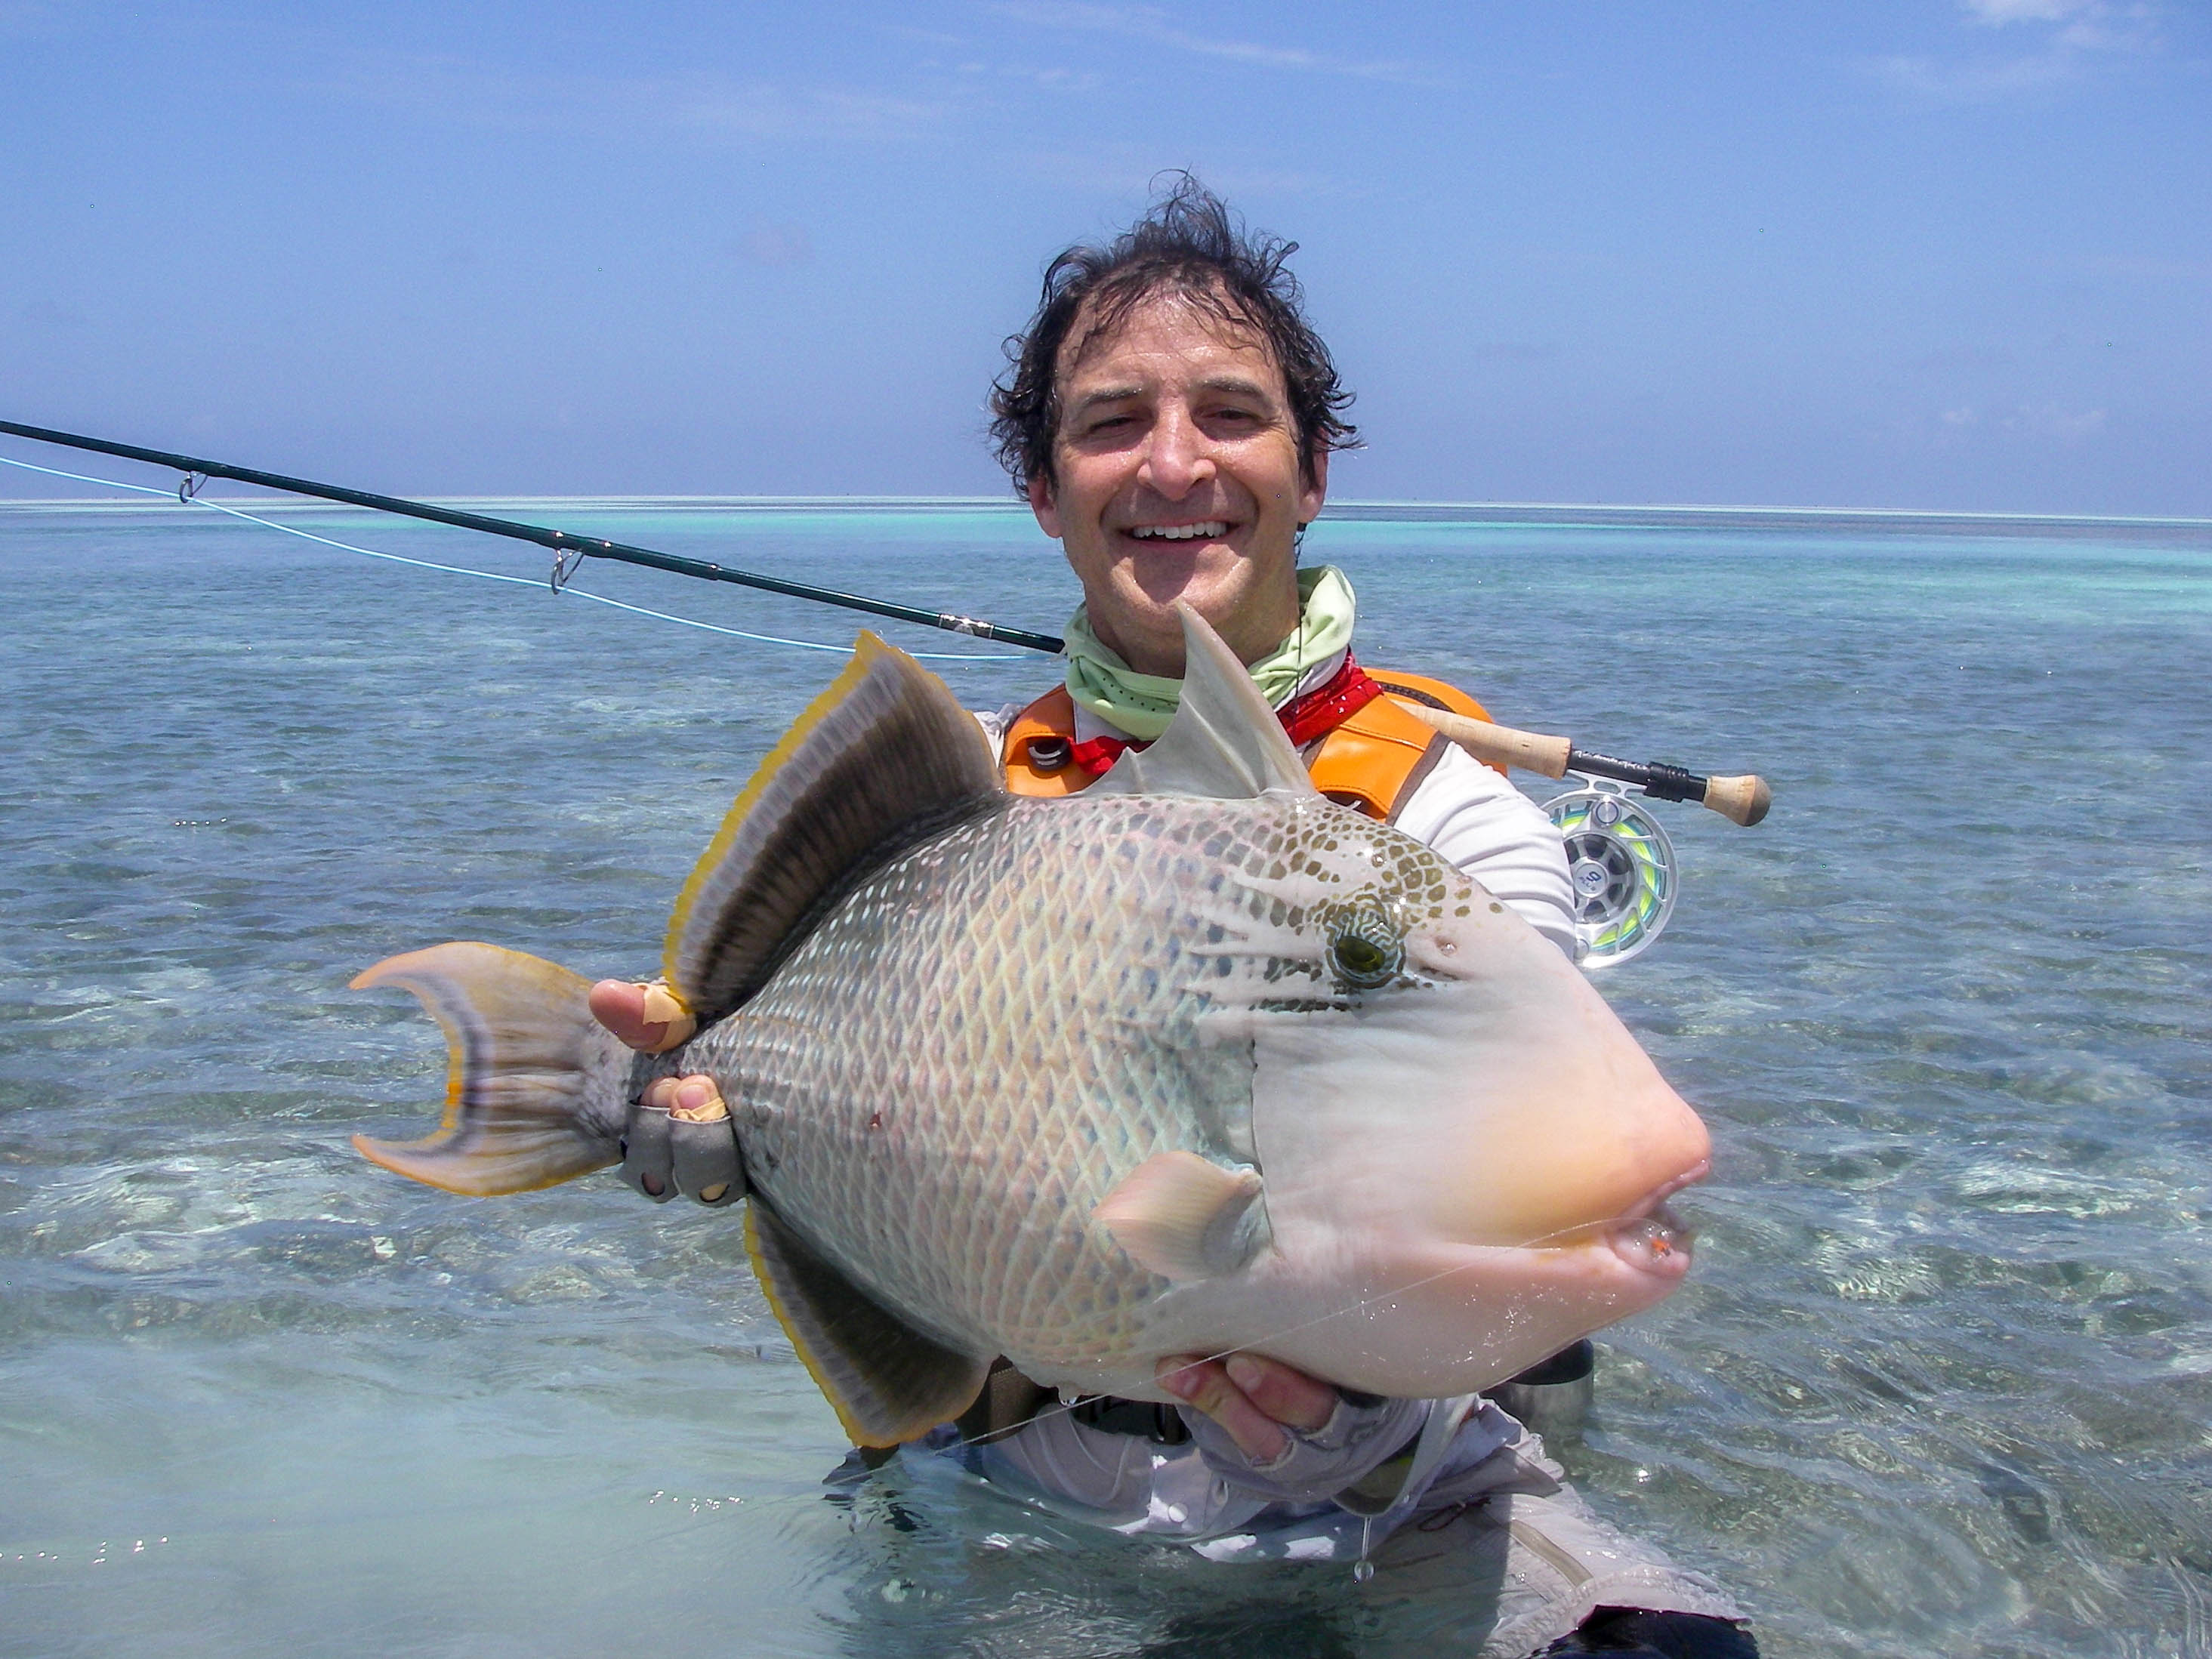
[(1181, 532)]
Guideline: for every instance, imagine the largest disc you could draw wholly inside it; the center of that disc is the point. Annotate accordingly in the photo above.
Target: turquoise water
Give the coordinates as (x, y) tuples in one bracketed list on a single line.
[(1941, 1383)]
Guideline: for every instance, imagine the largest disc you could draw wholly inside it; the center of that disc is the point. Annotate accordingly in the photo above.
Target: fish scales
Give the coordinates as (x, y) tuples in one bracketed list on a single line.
[(969, 1052)]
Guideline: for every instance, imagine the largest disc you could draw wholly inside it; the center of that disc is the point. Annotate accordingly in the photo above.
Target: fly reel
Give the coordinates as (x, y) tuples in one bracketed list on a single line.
[(1621, 865)]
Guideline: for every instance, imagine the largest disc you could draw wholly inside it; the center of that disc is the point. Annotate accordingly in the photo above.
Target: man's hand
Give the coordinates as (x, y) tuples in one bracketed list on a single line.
[(680, 1139), (1253, 1398)]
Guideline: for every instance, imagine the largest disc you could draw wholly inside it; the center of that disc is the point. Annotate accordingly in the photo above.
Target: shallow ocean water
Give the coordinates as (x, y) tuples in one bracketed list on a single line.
[(1941, 1382)]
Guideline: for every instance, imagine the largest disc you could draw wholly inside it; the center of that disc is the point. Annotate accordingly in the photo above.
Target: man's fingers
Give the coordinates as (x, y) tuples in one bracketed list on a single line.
[(646, 1153), (1205, 1385), (645, 1016), (679, 1139), (1283, 1392)]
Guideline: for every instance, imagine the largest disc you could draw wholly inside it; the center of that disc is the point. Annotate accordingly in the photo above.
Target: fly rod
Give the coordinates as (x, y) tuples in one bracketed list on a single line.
[(567, 548), (1742, 800)]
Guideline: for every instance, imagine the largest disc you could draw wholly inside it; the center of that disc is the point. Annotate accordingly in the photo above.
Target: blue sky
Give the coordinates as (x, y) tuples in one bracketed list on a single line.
[(1918, 254)]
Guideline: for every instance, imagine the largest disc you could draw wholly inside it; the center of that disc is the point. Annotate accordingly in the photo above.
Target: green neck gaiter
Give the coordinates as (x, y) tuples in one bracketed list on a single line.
[(1143, 704)]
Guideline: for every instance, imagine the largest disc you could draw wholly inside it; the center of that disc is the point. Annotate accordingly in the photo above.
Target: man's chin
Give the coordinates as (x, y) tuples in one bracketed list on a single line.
[(1133, 607), (1145, 612)]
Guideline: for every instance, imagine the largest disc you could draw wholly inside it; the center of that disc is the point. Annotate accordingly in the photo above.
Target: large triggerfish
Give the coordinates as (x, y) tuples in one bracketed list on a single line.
[(1195, 1060)]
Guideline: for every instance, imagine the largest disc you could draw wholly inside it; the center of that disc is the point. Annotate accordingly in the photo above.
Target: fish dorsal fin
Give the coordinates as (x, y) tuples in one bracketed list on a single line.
[(889, 1382), (885, 748), (1224, 742)]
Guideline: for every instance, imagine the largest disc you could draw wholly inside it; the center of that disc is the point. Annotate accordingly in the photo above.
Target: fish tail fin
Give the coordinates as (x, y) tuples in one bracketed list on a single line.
[(534, 1094)]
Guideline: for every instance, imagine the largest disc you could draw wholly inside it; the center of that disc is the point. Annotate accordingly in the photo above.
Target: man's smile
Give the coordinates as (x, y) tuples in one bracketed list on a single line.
[(1208, 529)]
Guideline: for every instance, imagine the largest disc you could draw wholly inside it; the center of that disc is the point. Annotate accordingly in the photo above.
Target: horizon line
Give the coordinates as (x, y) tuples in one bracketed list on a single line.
[(267, 502)]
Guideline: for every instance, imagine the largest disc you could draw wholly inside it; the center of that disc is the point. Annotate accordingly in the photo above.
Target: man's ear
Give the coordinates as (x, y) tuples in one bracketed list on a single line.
[(1311, 496), (1042, 504)]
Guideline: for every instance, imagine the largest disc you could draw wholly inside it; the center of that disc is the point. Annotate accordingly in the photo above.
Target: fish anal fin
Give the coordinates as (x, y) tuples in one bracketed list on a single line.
[(1225, 743), (527, 1088), (887, 746), (888, 1381), (1185, 1217)]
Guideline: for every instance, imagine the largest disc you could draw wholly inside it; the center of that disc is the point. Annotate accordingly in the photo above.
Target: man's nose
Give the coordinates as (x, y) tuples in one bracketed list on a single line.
[(1177, 457)]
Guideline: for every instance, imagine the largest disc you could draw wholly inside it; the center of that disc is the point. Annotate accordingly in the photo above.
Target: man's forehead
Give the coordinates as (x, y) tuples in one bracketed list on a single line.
[(1166, 313)]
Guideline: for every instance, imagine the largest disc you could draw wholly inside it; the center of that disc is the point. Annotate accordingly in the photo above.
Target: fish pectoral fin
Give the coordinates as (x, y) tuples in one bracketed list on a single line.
[(1185, 1217), (1224, 744), (520, 1102), (884, 749), (889, 1382)]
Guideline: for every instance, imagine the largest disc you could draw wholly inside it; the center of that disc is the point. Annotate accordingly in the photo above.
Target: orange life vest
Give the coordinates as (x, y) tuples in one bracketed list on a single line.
[(1371, 759)]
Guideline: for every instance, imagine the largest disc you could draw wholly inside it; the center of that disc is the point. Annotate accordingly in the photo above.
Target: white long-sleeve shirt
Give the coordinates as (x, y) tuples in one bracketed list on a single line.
[(1477, 820)]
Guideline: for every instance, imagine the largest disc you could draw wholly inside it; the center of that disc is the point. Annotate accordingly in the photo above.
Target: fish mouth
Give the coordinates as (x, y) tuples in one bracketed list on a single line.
[(1656, 1243), (1651, 1237), (1648, 1235)]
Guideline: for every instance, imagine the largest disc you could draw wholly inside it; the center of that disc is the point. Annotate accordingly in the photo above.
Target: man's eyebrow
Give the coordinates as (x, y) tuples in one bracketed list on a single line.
[(1239, 385), (1105, 394)]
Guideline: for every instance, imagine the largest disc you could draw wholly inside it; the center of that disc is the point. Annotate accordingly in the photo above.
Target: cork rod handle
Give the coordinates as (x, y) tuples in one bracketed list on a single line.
[(1499, 745), (1739, 799)]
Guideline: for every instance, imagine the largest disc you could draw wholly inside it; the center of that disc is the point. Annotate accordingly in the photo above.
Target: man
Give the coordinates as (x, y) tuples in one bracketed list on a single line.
[(1169, 417)]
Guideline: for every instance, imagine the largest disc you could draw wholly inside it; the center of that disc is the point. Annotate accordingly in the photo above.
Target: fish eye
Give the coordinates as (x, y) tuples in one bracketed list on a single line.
[(1365, 949)]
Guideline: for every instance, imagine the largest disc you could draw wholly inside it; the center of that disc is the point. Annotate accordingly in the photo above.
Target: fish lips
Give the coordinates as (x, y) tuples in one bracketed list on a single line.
[(1651, 1238)]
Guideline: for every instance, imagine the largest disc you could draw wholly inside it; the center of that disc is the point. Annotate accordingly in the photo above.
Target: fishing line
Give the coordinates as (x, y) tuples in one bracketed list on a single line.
[(192, 499), (570, 549)]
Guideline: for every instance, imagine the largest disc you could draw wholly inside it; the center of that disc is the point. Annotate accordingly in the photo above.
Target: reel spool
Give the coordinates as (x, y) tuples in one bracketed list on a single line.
[(1622, 866)]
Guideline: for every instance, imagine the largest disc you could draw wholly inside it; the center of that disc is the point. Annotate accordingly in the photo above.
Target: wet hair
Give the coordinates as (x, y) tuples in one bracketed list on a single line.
[(1186, 245)]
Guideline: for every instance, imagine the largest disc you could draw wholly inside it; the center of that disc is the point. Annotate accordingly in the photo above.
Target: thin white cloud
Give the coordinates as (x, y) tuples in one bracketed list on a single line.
[(1051, 78), (2049, 422), (2024, 11), (1974, 83), (457, 89), (764, 110), (1155, 24), (2074, 34)]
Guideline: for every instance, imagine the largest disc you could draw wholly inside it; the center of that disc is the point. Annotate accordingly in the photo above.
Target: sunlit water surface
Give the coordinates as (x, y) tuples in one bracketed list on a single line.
[(1940, 1383)]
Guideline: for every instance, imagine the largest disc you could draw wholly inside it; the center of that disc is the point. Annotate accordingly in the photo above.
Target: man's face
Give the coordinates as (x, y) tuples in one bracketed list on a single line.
[(1178, 479)]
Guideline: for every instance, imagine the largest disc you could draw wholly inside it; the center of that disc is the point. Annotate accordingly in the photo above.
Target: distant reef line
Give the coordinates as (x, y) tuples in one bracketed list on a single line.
[(1562, 514)]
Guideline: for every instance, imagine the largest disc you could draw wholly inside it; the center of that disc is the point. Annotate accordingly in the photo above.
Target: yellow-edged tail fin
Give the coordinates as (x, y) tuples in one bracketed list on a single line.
[(533, 1094)]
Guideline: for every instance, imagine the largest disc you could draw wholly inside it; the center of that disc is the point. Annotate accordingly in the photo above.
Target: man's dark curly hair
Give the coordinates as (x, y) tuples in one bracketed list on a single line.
[(1189, 245)]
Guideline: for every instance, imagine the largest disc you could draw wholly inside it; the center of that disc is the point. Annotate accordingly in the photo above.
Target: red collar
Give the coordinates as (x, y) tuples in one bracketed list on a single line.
[(1314, 715)]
